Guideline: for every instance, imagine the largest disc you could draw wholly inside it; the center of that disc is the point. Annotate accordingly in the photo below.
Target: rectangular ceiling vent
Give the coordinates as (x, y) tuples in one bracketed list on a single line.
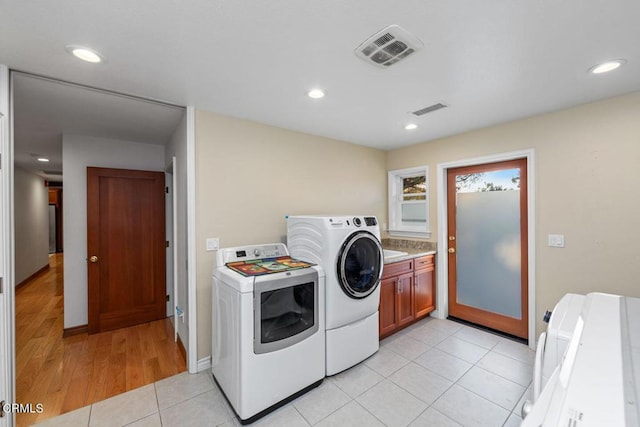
[(429, 109), (388, 46), (52, 173)]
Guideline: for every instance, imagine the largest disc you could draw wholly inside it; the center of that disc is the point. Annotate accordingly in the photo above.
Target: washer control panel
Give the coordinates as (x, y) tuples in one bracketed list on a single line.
[(248, 253)]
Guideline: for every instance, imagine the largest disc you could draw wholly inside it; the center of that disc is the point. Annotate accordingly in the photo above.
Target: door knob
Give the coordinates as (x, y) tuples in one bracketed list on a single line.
[(452, 250), (93, 259)]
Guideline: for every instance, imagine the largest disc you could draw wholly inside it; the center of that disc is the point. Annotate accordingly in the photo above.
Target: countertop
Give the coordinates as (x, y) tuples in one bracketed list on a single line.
[(414, 249)]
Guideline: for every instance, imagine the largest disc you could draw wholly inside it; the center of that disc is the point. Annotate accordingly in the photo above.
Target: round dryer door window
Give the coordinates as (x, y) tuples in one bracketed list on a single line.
[(360, 264)]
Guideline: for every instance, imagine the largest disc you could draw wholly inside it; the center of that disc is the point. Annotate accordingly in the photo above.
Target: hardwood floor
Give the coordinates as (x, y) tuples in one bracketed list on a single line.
[(68, 373)]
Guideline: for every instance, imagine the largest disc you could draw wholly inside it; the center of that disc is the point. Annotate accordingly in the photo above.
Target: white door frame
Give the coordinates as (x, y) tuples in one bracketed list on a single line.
[(192, 318), (443, 261), (174, 237), (7, 298), (7, 340), (171, 235)]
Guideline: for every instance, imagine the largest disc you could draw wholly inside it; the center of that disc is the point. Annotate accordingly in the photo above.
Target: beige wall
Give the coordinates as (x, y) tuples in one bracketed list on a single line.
[(78, 152), (587, 171), (31, 204), (249, 176)]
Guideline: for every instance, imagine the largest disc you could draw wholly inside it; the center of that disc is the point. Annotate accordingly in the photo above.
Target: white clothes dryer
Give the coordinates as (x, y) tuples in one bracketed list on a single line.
[(349, 251), (597, 382), (268, 341)]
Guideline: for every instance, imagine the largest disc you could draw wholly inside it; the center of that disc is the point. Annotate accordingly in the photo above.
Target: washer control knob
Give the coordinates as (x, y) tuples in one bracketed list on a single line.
[(256, 252), (357, 222)]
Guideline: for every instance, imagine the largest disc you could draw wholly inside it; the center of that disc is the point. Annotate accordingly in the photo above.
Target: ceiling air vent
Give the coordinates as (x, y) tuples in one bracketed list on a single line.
[(388, 46), (52, 173), (429, 109)]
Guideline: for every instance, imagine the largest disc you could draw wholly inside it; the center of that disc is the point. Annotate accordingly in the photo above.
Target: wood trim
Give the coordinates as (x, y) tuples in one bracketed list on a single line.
[(43, 270), (75, 330)]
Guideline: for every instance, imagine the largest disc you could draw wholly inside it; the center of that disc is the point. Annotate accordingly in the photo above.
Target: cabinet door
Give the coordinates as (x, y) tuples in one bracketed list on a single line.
[(405, 299), (424, 295), (387, 311)]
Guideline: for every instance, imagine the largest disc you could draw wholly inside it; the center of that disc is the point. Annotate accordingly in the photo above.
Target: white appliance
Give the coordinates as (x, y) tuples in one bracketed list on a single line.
[(597, 382), (348, 249), (268, 330), (553, 343)]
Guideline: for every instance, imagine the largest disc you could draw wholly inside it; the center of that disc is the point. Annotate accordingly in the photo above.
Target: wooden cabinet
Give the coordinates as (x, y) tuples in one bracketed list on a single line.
[(423, 282), (406, 293), (387, 313), (396, 296), (404, 299)]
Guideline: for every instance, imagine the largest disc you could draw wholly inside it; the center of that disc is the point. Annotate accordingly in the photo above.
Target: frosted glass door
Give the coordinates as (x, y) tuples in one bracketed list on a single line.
[(485, 246), (489, 251)]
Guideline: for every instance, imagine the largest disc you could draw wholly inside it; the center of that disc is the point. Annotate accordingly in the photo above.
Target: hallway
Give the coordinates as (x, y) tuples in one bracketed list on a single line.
[(64, 374)]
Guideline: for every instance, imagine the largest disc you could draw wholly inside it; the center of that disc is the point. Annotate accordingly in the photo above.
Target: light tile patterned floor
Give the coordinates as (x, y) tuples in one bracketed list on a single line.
[(434, 373)]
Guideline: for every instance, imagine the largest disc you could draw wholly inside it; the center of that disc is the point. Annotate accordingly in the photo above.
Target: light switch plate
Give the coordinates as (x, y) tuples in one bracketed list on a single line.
[(213, 244), (555, 240)]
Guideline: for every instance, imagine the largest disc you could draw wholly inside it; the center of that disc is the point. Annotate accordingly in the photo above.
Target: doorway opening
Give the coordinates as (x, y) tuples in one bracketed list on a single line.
[(97, 128)]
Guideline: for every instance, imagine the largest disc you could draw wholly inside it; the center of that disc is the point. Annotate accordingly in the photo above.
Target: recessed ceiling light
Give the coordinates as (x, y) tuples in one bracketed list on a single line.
[(605, 67), (43, 159), (411, 126), (316, 93), (84, 53)]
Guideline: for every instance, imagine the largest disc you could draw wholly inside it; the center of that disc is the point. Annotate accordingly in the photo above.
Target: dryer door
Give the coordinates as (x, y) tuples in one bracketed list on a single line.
[(359, 265)]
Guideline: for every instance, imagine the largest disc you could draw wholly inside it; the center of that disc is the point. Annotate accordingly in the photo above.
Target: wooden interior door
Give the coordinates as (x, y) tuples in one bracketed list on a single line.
[(126, 247), (487, 245)]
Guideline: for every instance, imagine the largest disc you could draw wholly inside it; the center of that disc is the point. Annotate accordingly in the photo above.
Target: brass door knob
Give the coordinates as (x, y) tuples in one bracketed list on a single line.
[(452, 250), (93, 259)]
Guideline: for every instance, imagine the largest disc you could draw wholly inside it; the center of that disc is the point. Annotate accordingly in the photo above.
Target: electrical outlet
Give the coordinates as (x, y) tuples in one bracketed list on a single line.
[(555, 240), (213, 244)]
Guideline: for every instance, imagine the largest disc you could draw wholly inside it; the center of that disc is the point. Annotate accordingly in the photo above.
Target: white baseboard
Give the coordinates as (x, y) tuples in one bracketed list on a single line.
[(438, 314), (204, 364)]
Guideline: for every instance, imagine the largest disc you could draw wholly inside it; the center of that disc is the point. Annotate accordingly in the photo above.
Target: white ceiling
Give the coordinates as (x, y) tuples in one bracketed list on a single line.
[(492, 61), (45, 109)]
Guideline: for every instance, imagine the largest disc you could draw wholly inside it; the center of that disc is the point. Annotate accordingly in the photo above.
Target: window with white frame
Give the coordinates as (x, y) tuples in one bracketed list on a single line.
[(409, 202)]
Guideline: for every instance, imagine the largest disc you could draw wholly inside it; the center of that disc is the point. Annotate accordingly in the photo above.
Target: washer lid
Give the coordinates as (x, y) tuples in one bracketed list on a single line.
[(359, 265)]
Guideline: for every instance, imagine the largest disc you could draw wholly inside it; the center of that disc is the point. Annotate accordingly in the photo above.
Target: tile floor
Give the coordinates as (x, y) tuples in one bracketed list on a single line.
[(434, 373)]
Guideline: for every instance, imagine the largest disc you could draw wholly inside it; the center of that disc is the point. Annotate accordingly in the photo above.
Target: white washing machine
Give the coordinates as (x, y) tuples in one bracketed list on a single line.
[(268, 343), (348, 249)]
